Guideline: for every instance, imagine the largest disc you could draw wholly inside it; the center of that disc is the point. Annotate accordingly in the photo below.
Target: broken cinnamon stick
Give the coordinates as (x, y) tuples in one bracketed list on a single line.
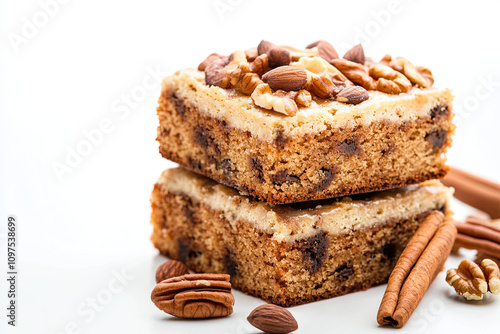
[(417, 267), (475, 191)]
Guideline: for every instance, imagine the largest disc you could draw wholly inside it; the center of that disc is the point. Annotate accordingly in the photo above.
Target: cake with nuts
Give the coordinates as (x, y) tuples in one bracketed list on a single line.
[(294, 253), (286, 125)]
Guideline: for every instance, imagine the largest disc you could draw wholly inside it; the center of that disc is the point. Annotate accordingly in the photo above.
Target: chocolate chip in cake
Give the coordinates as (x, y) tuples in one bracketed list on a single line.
[(350, 146), (326, 177), (280, 139), (440, 111), (230, 267), (201, 138), (314, 250), (256, 166), (227, 167), (391, 147), (389, 251), (344, 272), (195, 165), (185, 250), (180, 107), (282, 177), (187, 209), (437, 138)]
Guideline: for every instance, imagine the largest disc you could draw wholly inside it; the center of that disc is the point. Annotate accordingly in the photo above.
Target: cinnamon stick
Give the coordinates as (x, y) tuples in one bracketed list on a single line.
[(417, 267), (479, 230), (481, 245), (475, 191)]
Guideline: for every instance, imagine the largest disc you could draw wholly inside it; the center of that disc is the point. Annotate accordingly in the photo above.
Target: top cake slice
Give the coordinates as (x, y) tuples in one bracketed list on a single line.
[(288, 125)]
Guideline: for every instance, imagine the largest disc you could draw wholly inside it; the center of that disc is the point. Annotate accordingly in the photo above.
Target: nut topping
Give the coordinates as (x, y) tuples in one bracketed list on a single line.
[(264, 47), (271, 318), (260, 65), (286, 78), (279, 56), (246, 82), (216, 74), (251, 54), (322, 85), (325, 49), (170, 269), (279, 101), (356, 54), (353, 95), (195, 296), (355, 72), (468, 280), (319, 65), (303, 98), (210, 59), (412, 73), (294, 75), (389, 80)]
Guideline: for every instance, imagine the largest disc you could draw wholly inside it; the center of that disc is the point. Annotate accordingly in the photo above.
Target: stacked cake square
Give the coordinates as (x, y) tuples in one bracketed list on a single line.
[(302, 175)]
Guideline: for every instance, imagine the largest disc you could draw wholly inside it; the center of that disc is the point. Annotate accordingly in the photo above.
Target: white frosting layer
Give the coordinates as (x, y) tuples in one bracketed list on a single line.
[(288, 223), (239, 110)]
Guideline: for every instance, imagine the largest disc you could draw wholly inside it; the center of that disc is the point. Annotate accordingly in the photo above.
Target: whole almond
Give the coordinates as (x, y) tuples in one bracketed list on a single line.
[(353, 95), (170, 269), (356, 54), (264, 47), (273, 319), (325, 49), (279, 56), (286, 78)]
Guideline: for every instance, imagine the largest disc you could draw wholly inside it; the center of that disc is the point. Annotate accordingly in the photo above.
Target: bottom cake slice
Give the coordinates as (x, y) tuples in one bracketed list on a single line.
[(288, 254)]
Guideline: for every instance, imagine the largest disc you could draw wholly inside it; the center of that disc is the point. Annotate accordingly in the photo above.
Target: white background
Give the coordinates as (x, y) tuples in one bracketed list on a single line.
[(76, 68)]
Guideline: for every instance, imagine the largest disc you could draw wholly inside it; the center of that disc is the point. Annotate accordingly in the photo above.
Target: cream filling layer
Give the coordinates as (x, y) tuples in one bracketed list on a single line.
[(287, 224), (239, 110)]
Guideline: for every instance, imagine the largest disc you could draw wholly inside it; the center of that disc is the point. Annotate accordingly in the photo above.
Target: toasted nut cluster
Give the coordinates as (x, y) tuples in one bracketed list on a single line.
[(473, 281), (316, 69), (170, 269), (195, 296)]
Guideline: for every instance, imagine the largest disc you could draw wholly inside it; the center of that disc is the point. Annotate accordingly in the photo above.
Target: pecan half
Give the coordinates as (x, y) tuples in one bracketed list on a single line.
[(322, 85), (195, 296), (389, 80), (246, 82), (415, 76), (355, 72), (216, 74), (210, 59)]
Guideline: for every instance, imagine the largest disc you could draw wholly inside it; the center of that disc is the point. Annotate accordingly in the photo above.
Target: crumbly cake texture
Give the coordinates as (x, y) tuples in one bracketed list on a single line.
[(288, 254), (325, 150)]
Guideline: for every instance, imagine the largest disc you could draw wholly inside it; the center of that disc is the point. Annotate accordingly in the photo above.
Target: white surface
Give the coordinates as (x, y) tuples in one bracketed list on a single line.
[(76, 71)]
